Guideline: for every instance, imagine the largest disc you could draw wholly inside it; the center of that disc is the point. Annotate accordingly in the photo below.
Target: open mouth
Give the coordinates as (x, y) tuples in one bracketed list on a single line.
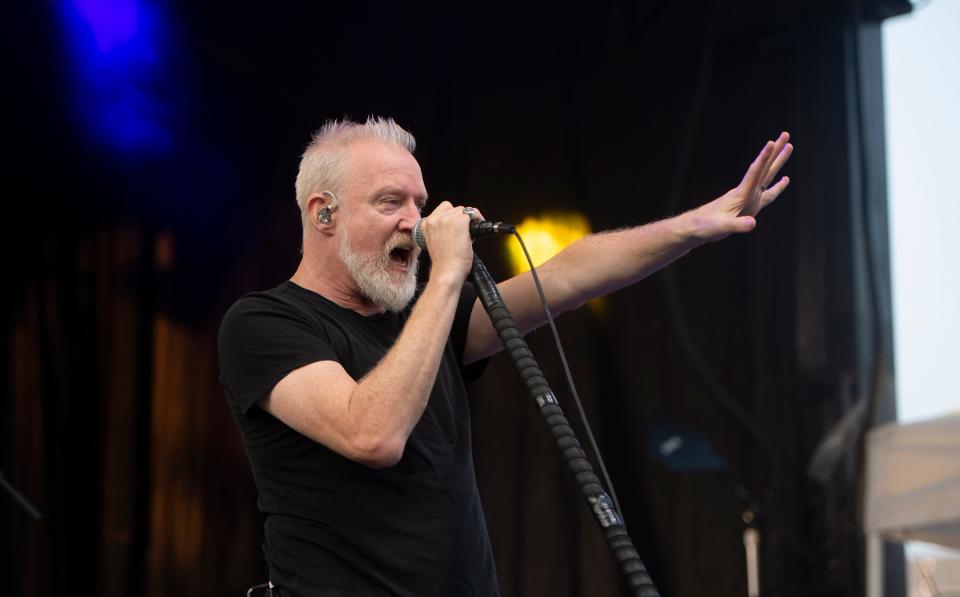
[(401, 256)]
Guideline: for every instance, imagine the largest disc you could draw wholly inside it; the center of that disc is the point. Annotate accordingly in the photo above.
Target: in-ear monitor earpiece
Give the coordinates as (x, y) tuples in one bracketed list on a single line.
[(323, 215)]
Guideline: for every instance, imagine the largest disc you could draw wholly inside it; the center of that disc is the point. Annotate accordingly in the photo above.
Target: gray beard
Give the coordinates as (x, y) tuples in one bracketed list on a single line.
[(371, 274)]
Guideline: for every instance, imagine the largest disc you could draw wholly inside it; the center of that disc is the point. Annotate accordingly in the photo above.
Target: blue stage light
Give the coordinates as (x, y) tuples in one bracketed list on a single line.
[(113, 23), (116, 66)]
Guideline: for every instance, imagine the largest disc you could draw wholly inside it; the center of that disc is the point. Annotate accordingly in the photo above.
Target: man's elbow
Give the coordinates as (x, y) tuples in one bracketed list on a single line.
[(566, 294), (377, 451)]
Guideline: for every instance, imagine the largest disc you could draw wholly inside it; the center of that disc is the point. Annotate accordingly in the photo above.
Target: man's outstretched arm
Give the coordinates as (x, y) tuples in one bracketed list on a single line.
[(602, 263)]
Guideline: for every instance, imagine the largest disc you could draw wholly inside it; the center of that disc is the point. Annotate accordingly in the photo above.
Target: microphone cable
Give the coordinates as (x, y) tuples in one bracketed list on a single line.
[(569, 377)]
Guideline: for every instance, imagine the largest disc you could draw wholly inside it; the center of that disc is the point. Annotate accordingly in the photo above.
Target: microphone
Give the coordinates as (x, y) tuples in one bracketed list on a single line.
[(478, 228)]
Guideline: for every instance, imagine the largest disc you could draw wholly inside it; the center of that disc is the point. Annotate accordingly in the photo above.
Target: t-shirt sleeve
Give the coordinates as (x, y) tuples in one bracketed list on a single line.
[(261, 340), (458, 333)]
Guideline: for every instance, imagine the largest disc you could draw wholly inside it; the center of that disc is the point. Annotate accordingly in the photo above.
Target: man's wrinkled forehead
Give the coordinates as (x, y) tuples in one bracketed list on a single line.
[(378, 164)]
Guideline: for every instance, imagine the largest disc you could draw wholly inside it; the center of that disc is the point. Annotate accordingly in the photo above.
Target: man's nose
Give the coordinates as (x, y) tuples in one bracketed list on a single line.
[(410, 216)]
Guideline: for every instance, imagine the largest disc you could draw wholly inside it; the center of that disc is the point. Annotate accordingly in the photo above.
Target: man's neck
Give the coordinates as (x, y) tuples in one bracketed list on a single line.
[(313, 277)]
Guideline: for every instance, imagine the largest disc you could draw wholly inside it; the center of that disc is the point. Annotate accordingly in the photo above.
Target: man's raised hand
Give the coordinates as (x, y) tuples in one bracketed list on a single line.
[(735, 211)]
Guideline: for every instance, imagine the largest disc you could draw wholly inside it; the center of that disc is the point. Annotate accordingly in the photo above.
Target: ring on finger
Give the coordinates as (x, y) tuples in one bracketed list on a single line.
[(470, 211), (763, 187)]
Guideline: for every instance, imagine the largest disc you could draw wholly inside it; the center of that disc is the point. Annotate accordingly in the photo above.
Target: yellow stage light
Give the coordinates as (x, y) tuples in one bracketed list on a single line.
[(545, 236)]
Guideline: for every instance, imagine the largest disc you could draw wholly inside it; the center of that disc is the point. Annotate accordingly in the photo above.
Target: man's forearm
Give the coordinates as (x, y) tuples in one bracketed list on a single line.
[(589, 268), (600, 264), (608, 261), (388, 401)]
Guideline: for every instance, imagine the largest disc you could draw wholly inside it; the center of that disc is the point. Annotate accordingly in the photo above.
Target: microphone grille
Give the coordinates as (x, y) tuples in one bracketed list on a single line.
[(418, 236)]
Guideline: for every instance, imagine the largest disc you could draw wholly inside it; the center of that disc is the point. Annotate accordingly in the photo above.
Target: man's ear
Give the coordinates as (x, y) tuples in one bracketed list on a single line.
[(320, 207)]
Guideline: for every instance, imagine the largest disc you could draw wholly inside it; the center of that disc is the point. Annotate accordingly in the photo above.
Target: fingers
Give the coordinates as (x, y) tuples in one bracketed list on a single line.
[(768, 196), (782, 150), (768, 163), (447, 232), (758, 169), (446, 206), (754, 187), (441, 207), (452, 217)]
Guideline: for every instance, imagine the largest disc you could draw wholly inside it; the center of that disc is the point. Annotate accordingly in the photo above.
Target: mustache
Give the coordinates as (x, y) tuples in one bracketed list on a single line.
[(401, 240)]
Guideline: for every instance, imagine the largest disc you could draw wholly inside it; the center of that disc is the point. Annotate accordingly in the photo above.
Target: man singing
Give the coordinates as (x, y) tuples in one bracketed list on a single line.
[(351, 401)]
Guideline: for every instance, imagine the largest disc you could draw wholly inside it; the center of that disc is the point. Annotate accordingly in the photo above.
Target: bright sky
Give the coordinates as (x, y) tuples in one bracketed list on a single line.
[(921, 54)]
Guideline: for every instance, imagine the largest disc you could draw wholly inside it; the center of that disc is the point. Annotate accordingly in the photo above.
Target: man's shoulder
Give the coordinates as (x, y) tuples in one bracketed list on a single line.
[(262, 308), (285, 298), (284, 321), (253, 304), (283, 292)]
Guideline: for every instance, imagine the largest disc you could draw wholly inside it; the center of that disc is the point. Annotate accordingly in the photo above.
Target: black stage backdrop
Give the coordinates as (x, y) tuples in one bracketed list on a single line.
[(122, 252)]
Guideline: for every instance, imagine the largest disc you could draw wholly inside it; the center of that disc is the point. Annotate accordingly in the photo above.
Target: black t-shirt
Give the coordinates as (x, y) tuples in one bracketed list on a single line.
[(334, 526)]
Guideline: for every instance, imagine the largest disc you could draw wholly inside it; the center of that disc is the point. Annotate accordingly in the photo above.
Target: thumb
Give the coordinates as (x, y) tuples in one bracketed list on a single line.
[(744, 224)]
